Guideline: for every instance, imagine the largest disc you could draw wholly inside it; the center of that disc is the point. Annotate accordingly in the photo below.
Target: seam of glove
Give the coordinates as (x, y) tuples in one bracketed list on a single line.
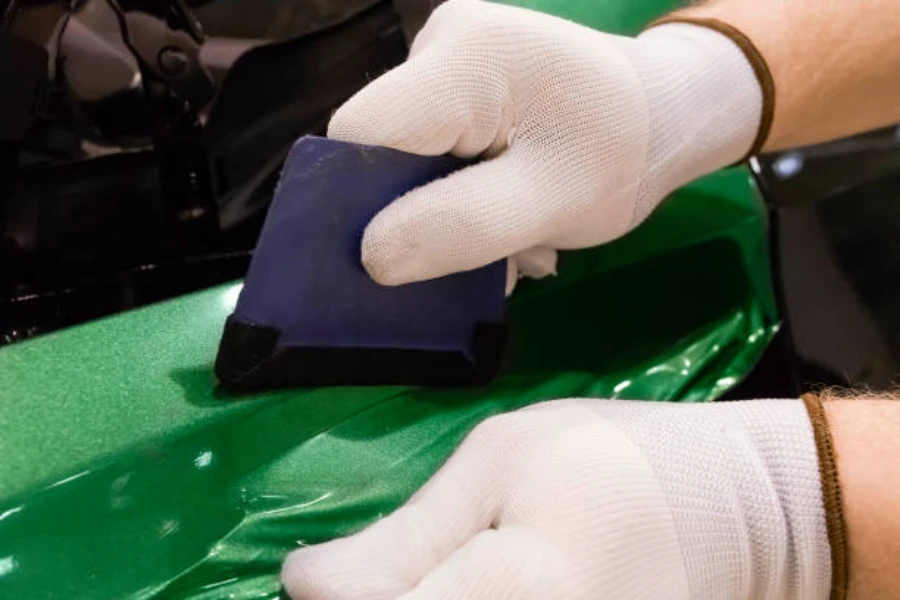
[(835, 522), (757, 63)]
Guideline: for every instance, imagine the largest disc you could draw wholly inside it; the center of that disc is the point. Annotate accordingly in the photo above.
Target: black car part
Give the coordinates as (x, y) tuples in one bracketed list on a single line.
[(159, 188)]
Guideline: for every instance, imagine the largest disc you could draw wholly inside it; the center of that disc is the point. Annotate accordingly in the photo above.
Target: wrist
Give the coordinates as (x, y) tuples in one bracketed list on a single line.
[(704, 102), (866, 446)]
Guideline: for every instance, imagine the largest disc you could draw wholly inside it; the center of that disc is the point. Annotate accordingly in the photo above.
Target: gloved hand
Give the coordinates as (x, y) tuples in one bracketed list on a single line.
[(588, 132), (585, 499)]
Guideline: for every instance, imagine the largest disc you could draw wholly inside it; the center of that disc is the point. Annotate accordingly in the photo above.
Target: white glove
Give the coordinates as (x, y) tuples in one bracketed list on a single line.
[(589, 131), (586, 499)]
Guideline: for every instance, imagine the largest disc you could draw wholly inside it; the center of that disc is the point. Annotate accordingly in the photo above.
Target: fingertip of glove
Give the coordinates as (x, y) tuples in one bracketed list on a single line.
[(310, 573), (382, 273), (365, 118), (292, 575), (392, 251), (344, 126), (392, 268)]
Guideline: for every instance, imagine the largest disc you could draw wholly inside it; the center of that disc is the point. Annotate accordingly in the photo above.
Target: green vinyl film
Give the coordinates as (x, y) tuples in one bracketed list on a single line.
[(126, 474), (625, 17)]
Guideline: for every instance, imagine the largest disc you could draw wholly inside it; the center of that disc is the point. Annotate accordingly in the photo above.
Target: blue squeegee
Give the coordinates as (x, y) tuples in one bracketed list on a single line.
[(309, 314)]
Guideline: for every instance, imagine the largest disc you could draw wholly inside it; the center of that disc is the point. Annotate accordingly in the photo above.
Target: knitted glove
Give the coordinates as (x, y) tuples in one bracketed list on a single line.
[(585, 499), (586, 133)]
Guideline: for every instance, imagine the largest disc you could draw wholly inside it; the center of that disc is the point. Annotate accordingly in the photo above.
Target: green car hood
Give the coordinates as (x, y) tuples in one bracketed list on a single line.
[(125, 474)]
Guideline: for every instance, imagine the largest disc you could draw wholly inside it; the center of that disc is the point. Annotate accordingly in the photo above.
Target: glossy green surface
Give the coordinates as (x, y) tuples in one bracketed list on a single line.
[(627, 17), (125, 475)]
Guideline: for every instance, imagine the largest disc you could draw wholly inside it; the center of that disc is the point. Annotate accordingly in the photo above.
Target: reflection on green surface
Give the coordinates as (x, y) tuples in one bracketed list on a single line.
[(124, 474), (626, 17)]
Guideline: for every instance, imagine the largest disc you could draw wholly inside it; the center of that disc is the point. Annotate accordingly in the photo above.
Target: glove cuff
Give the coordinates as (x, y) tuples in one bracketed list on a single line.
[(757, 63), (831, 496)]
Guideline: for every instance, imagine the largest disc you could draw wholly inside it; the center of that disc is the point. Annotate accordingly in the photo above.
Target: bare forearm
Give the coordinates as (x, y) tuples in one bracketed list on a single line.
[(836, 64), (866, 437)]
